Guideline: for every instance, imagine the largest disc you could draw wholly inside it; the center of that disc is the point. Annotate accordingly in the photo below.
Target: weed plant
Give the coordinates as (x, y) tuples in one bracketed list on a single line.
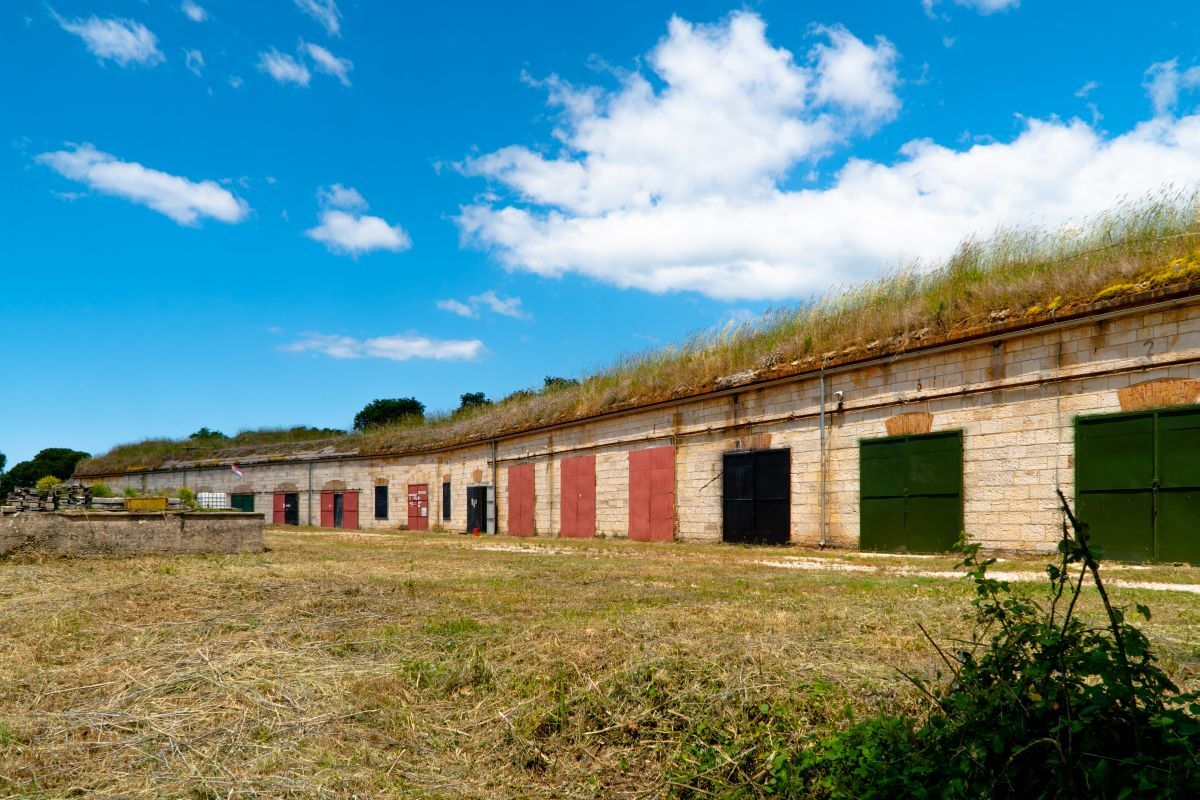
[(1038, 704)]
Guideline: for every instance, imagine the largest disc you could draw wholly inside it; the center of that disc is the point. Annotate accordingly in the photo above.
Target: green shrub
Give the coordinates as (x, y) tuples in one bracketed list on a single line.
[(102, 490), (46, 483), (130, 492), (1038, 705)]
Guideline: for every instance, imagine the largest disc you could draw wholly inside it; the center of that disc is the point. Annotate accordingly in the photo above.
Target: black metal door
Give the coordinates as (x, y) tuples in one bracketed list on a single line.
[(757, 497), (291, 509), (476, 509)]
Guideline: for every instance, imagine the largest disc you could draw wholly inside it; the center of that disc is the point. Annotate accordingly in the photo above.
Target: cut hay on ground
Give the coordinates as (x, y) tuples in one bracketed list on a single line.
[(432, 665)]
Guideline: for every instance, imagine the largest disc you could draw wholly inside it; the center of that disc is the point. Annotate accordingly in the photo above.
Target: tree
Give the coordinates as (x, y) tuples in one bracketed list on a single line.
[(204, 434), (51, 461), (46, 483), (3, 461), (381, 412), (473, 400), (553, 384)]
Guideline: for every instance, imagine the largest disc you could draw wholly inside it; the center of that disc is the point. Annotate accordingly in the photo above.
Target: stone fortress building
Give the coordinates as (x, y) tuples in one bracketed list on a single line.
[(896, 449)]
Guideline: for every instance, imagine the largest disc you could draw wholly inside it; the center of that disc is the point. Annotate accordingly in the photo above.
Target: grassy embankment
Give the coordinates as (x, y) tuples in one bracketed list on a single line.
[(432, 665), (1015, 275)]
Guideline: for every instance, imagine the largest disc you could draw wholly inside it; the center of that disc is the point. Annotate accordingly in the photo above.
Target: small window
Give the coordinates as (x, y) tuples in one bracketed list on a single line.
[(446, 500), (242, 502), (381, 502)]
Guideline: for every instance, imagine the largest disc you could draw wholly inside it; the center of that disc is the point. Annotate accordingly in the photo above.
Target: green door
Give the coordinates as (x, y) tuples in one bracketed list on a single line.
[(242, 502), (910, 490), (1137, 483)]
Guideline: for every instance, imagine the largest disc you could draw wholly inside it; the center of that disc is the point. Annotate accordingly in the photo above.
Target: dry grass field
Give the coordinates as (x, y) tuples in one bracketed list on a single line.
[(433, 665)]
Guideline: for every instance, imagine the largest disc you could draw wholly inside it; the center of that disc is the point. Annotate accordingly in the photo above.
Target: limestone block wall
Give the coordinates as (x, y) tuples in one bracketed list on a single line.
[(1015, 398), (78, 533)]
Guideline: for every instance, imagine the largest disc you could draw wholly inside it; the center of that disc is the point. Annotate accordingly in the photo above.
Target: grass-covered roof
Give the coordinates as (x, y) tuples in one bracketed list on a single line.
[(1015, 277)]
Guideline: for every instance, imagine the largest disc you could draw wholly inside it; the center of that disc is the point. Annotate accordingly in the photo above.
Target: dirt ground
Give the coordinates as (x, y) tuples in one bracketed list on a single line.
[(436, 665)]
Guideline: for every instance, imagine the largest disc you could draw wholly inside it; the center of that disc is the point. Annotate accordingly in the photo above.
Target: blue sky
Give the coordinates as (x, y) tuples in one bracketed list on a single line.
[(242, 214)]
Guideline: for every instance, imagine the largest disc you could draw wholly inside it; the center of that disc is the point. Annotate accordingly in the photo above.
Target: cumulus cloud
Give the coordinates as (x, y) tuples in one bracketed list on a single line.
[(505, 306), (734, 115), (684, 187), (328, 63), (122, 40), (856, 76), (325, 12), (194, 61), (1164, 82), (346, 230), (193, 11), (284, 68), (395, 348), (185, 201)]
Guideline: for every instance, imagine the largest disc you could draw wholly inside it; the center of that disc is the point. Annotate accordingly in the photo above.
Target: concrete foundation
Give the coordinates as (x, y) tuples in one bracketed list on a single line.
[(81, 533)]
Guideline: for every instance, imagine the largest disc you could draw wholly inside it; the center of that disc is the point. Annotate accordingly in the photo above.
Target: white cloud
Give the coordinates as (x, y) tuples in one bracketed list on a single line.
[(735, 114), (856, 76), (338, 196), (235, 82), (344, 228), (122, 40), (647, 195), (284, 68), (395, 348), (508, 307), (505, 306), (984, 7), (194, 60), (187, 202), (193, 11), (325, 12), (328, 63), (458, 307), (1164, 82), (1083, 91)]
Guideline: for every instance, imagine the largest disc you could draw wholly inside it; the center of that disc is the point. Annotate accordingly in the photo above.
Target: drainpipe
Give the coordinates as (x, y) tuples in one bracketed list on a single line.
[(822, 541), (495, 494), (308, 516)]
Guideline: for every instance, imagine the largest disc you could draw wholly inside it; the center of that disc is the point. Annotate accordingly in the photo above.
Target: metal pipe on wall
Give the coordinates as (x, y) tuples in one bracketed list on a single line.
[(821, 457)]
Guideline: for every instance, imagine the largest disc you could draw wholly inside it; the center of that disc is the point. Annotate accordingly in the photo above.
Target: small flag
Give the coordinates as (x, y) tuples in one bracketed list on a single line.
[(236, 471)]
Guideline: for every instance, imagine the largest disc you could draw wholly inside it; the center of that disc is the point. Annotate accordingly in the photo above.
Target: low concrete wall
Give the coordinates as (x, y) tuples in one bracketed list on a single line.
[(82, 533)]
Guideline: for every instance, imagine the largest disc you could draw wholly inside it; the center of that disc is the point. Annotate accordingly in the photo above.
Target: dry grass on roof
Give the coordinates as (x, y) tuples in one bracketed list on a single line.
[(1015, 274)]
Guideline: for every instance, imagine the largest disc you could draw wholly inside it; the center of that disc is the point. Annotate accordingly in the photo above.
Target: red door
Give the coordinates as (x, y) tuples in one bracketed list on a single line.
[(652, 494), (278, 509), (578, 481), (520, 500), (350, 511), (418, 506), (327, 509)]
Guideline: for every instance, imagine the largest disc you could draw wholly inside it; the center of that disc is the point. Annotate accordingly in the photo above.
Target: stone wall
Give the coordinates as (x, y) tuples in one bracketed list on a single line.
[(1015, 397), (81, 533)]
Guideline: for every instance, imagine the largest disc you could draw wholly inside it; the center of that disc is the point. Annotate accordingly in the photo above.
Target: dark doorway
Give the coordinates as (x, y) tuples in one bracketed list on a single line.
[(477, 509), (757, 497), (291, 508), (339, 509), (446, 500), (381, 502)]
